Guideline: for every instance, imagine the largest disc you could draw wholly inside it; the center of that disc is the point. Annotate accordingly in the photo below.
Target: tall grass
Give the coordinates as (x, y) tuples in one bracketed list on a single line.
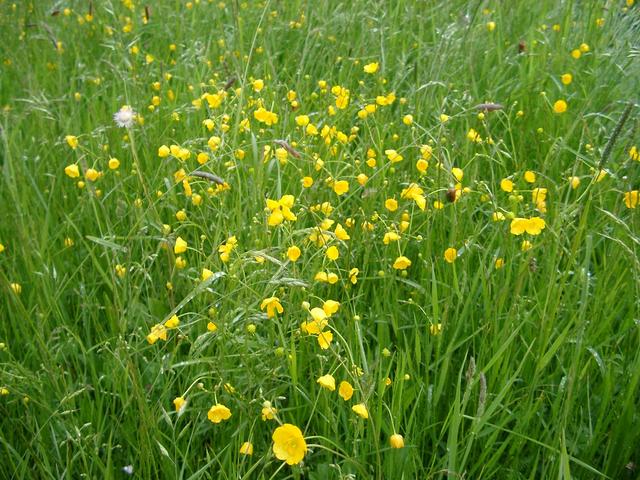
[(526, 371)]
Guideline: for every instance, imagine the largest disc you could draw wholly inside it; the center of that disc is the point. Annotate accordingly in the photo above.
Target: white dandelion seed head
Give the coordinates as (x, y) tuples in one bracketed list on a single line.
[(124, 117)]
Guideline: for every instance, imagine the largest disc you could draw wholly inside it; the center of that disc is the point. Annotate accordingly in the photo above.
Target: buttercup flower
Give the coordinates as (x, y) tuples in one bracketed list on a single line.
[(268, 411), (396, 441), (327, 381), (361, 410), (72, 171), (158, 332), (179, 403), (180, 246), (293, 253), (72, 141), (345, 390), (450, 254), (226, 248), (272, 305), (415, 193), (289, 444), (631, 199), (246, 448), (265, 116), (218, 412), (371, 67), (401, 263), (281, 210), (560, 106), (532, 226)]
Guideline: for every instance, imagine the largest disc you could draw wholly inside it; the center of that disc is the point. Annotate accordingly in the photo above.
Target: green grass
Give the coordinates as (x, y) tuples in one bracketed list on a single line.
[(535, 372)]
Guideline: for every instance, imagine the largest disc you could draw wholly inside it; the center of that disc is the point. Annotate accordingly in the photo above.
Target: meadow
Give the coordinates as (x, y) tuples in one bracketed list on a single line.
[(319, 239)]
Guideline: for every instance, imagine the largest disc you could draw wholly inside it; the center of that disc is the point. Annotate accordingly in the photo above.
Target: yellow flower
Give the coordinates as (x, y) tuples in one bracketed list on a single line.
[(415, 193), (164, 151), (181, 215), (457, 173), (390, 237), (272, 305), (538, 195), (407, 119), (371, 67), (396, 441), (16, 288), (268, 411), (214, 143), (450, 254), (391, 204), (341, 233), (353, 275), (560, 106), (226, 248), (345, 390), (265, 116), (218, 412), (393, 156), (499, 263), (491, 26), (435, 329), (341, 187), (526, 245), (318, 322), (282, 156), (173, 322), (307, 182), (72, 171), (178, 403), (634, 154), (91, 174), (293, 253), (302, 120), (72, 141), (114, 163), (280, 210), (327, 381), (576, 53), (529, 176), (566, 78), (258, 85), (158, 332), (246, 448), (206, 274), (361, 410), (474, 136), (212, 327), (532, 226), (506, 185), (289, 444), (180, 246), (332, 253), (401, 263), (574, 182), (330, 307), (631, 199), (2, 247), (324, 339)]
